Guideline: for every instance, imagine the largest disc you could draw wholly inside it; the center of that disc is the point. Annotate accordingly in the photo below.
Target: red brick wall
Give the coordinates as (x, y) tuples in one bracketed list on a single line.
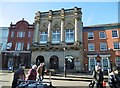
[(109, 40), (21, 26)]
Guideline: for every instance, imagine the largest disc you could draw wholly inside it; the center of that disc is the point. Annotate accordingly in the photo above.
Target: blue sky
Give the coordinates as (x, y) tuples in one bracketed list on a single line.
[(92, 12)]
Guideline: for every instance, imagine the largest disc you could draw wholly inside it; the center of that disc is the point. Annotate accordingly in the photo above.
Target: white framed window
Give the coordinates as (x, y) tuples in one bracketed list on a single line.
[(55, 36), (29, 34), (90, 35), (69, 35), (20, 34), (103, 46), (19, 46), (105, 63), (116, 45), (118, 61), (91, 47), (43, 37), (12, 34), (115, 34), (92, 63), (102, 35), (28, 46)]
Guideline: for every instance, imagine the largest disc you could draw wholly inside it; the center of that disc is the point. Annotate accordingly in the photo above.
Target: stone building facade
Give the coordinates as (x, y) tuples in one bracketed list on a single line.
[(58, 39)]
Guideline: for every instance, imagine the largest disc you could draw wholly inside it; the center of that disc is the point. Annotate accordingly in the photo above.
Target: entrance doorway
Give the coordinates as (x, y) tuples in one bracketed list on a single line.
[(69, 60), (39, 59), (54, 62)]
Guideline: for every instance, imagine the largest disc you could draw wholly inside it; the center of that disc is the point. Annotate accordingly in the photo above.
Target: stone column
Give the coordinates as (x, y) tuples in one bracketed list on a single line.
[(49, 32), (49, 26), (37, 27), (77, 30), (62, 32), (62, 26), (78, 25)]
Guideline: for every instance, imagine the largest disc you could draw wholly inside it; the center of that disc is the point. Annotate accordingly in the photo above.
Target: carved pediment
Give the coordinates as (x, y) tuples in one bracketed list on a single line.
[(56, 26), (69, 25), (43, 27)]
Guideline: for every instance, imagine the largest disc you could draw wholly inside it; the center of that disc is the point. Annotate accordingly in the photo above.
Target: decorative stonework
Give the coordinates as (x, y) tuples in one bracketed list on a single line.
[(43, 27), (50, 15), (37, 17), (59, 20), (62, 14)]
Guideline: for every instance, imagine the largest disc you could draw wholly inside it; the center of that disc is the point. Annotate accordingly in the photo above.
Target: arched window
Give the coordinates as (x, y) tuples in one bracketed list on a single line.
[(39, 59), (54, 62)]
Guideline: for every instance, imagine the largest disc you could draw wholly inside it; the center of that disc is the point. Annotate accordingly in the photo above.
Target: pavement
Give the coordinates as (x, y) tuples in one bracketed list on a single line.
[(72, 80)]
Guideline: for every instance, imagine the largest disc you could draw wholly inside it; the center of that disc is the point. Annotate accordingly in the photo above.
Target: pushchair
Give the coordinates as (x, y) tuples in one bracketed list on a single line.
[(34, 84)]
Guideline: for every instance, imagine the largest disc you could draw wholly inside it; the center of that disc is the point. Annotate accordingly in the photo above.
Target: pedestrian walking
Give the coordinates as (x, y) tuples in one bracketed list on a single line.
[(40, 72), (18, 75), (98, 77), (114, 78), (10, 64), (32, 73)]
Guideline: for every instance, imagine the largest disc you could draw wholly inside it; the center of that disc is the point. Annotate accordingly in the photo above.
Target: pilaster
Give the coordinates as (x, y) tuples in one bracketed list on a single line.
[(62, 26), (49, 26), (37, 27)]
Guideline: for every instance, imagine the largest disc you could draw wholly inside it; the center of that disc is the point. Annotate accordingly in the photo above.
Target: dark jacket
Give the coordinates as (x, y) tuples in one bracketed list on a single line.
[(114, 80), (98, 76), (19, 74)]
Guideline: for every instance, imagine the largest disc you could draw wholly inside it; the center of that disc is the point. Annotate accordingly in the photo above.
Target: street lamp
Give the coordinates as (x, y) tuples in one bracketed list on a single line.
[(64, 63)]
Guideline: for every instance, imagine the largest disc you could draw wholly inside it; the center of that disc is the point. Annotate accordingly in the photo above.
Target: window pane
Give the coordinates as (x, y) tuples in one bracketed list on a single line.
[(28, 46), (114, 33), (19, 46), (116, 45), (103, 46), (29, 34), (12, 34), (92, 63), (43, 37), (102, 35), (105, 63), (118, 61), (55, 36), (69, 35), (20, 34), (91, 47), (90, 35)]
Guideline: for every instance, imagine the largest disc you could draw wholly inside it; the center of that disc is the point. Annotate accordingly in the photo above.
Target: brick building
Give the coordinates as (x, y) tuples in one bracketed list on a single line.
[(101, 46), (18, 44)]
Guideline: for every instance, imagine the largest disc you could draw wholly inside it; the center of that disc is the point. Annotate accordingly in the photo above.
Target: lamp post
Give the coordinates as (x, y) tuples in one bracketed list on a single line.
[(64, 63)]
